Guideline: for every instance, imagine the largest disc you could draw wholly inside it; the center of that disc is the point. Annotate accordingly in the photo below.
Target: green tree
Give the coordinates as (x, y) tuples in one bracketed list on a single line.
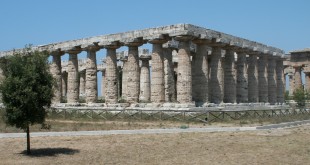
[(26, 89), (300, 96)]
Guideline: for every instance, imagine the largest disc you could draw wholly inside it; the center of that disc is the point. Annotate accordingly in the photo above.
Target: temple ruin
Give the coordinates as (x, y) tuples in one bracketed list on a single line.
[(188, 65)]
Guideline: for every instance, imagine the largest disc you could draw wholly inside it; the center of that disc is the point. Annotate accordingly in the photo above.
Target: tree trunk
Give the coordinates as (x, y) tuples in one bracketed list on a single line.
[(28, 140)]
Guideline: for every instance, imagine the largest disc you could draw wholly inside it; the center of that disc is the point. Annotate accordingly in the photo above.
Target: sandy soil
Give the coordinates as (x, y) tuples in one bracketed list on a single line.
[(280, 146)]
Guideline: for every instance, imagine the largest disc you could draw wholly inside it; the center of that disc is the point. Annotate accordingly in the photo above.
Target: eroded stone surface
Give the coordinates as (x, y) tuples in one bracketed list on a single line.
[(272, 81), (169, 76), (111, 76), (229, 77), (216, 76), (252, 79), (91, 91), (56, 72), (145, 88), (263, 78), (242, 78), (73, 78)]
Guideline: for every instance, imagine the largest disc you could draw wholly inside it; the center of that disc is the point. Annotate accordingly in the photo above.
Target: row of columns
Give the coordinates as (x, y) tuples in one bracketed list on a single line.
[(295, 78), (250, 79)]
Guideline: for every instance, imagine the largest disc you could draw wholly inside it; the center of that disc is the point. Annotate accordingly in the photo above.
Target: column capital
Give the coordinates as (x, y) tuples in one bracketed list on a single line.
[(145, 57), (74, 50), (112, 45), (135, 42), (93, 47), (57, 52)]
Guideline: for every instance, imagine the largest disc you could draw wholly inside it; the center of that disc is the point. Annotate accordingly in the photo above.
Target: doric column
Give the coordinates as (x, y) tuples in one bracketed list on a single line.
[(169, 76), (229, 76), (64, 83), (82, 82), (184, 80), (263, 78), (200, 72), (91, 91), (73, 76), (216, 76), (280, 80), (291, 84), (133, 71), (145, 88), (157, 76), (111, 74), (297, 77), (272, 82), (307, 81), (242, 78), (103, 83), (124, 78), (56, 72), (252, 79)]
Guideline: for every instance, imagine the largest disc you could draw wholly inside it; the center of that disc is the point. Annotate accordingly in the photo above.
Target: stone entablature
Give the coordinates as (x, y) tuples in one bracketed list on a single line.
[(158, 32), (188, 65)]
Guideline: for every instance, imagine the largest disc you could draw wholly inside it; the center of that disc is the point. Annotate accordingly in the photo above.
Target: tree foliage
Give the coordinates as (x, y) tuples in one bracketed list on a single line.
[(300, 96), (26, 88)]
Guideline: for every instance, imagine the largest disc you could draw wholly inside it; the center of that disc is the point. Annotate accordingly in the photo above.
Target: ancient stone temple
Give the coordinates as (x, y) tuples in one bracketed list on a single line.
[(298, 62), (188, 65)]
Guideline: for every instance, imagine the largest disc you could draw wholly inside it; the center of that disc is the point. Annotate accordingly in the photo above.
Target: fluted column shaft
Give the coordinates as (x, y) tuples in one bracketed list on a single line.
[(263, 78), (133, 73), (91, 85), (272, 82), (307, 81), (216, 76), (184, 80), (73, 78), (252, 79), (111, 76), (157, 77), (200, 73), (297, 77), (82, 83), (103, 83), (145, 88), (242, 78), (169, 76), (64, 83), (280, 81), (291, 84), (56, 72), (229, 77)]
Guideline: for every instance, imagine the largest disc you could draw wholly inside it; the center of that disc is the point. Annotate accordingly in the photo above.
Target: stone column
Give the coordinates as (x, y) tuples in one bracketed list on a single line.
[(64, 82), (291, 84), (297, 77), (111, 74), (133, 72), (184, 80), (56, 72), (157, 76), (252, 79), (91, 91), (280, 80), (242, 78), (307, 81), (82, 82), (272, 82), (229, 76), (263, 78), (73, 76), (145, 89), (124, 78), (200, 72), (216, 76), (169, 76), (103, 84)]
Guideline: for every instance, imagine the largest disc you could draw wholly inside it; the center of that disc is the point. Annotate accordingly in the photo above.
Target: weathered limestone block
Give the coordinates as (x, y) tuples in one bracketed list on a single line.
[(242, 78), (169, 76), (280, 81), (252, 79), (157, 76), (263, 78), (145, 88), (229, 77), (82, 82), (272, 82), (216, 76), (73, 77), (111, 75), (103, 83), (64, 82), (297, 77), (91, 91), (133, 72), (200, 72), (184, 80)]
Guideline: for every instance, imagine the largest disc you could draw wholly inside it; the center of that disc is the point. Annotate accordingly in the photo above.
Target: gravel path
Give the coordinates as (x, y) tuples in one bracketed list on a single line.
[(153, 131)]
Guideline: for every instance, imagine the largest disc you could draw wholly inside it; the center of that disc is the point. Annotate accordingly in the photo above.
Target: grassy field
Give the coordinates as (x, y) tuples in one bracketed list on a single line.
[(281, 146)]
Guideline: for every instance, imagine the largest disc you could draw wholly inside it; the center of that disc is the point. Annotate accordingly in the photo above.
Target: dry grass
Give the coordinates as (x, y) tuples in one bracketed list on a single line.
[(281, 146)]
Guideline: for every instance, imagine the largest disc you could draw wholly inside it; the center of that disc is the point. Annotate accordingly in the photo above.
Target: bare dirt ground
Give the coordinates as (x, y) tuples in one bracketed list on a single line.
[(278, 146)]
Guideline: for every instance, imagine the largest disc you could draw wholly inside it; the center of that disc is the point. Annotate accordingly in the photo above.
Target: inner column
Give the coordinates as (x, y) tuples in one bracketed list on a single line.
[(145, 88), (263, 78), (91, 91), (280, 81), (272, 84), (56, 72), (73, 76), (216, 76), (242, 78), (297, 77), (229, 76), (252, 79), (169, 75)]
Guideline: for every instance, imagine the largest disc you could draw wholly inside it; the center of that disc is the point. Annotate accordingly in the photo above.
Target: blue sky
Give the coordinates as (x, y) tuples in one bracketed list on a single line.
[(281, 23)]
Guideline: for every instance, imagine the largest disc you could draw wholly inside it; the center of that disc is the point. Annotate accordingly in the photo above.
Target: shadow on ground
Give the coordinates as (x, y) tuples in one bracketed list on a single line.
[(50, 152)]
